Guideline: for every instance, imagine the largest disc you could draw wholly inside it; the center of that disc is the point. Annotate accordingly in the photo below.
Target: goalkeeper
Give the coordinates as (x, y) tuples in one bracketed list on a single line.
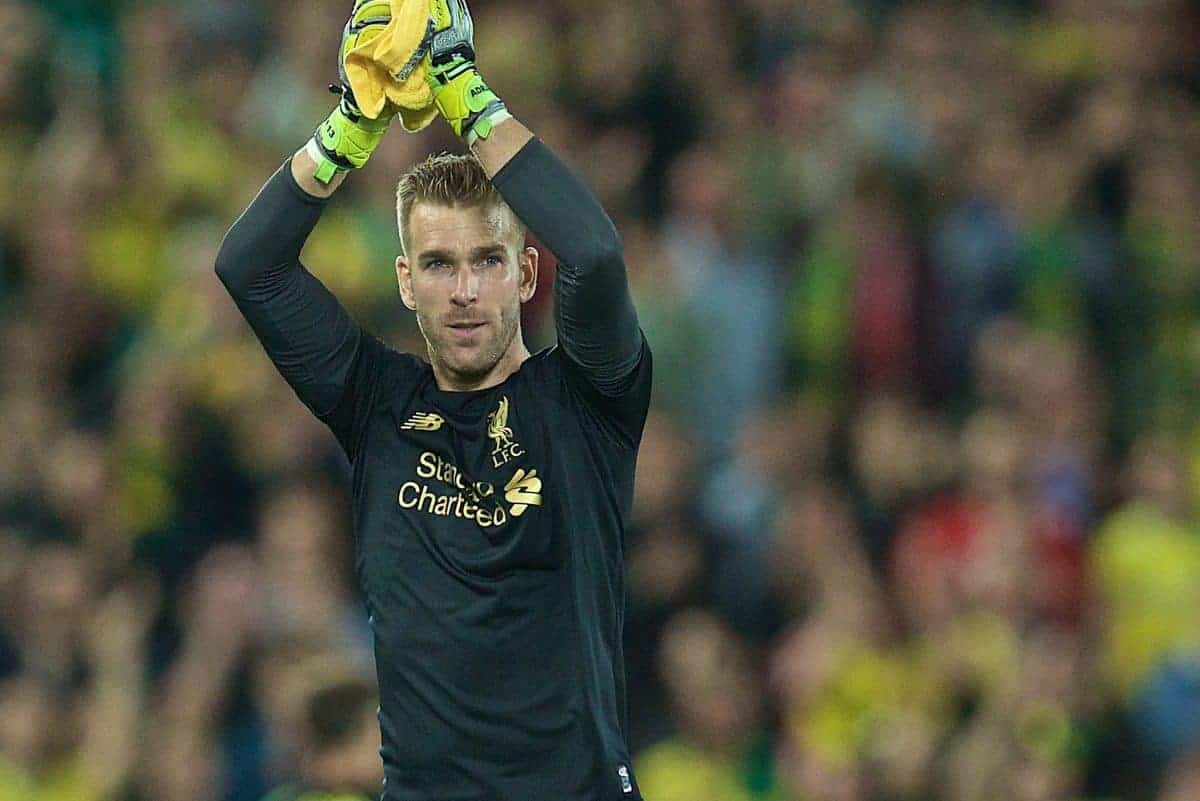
[(491, 487)]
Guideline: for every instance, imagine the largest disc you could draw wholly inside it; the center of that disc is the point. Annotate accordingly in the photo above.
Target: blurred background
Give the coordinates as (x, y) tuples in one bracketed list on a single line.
[(916, 512)]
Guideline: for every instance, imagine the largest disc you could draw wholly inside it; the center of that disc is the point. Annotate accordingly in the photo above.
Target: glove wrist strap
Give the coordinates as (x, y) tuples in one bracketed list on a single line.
[(344, 141), (327, 168), (482, 127)]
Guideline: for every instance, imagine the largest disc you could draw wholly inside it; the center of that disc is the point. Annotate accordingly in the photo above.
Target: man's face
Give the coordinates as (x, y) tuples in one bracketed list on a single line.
[(466, 274)]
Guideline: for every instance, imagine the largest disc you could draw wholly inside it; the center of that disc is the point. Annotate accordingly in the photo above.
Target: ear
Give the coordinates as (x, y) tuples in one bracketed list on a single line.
[(528, 262), (404, 280)]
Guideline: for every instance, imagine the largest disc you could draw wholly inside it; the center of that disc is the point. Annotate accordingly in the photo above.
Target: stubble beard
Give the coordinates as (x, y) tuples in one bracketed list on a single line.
[(484, 357)]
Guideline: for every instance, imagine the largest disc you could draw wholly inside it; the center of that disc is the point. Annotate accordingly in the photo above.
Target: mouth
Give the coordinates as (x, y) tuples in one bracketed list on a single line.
[(464, 330)]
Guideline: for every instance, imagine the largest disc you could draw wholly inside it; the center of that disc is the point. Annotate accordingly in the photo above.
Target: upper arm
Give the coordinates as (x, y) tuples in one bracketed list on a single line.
[(597, 323), (619, 415), (594, 314), (312, 340), (308, 335)]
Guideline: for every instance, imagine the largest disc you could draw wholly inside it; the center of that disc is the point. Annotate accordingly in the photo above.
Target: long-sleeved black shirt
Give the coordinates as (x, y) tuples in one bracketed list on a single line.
[(489, 524)]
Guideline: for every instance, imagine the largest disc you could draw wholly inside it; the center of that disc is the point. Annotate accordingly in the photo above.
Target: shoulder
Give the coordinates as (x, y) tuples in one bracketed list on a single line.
[(384, 376), (621, 416), (383, 362), (553, 361), (634, 388)]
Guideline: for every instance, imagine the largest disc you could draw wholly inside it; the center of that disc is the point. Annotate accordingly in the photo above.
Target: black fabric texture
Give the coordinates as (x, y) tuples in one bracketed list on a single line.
[(306, 332), (594, 314)]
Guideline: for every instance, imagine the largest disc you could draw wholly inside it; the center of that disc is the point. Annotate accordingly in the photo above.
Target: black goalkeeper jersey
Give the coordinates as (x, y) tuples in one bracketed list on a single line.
[(489, 524), (489, 549)]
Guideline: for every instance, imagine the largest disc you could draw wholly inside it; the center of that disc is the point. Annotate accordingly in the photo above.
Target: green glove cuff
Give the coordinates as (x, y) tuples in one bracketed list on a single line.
[(345, 140), (465, 100)]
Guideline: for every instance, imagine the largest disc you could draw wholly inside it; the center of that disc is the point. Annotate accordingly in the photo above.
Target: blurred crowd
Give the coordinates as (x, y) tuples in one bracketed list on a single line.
[(916, 513)]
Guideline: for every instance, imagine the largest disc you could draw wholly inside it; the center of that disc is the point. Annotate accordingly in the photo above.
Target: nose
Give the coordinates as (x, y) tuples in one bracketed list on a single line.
[(466, 288)]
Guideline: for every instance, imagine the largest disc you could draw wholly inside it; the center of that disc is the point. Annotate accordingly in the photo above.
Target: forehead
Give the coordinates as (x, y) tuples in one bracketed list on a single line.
[(436, 225)]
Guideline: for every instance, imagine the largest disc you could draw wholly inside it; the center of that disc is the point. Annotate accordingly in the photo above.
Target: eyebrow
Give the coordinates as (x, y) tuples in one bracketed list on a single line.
[(445, 255)]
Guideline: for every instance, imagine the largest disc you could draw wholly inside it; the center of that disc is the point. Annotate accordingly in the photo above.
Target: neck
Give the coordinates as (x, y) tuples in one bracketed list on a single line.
[(508, 364)]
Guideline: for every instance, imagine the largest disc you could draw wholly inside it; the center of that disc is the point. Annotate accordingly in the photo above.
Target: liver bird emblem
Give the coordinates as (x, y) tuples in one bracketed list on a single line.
[(498, 424)]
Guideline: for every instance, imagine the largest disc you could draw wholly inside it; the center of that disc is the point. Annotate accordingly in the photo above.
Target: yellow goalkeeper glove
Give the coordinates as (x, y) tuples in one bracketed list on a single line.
[(347, 137), (461, 95)]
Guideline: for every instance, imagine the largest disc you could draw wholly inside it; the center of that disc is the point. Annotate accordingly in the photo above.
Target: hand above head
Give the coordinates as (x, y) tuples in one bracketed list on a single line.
[(467, 103), (347, 138)]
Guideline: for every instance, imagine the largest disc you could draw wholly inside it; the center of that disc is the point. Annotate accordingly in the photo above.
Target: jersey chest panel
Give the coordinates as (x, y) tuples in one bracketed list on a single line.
[(459, 488)]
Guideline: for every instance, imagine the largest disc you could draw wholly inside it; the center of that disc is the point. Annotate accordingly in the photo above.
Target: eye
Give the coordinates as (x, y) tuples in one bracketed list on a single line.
[(494, 260), (436, 264)]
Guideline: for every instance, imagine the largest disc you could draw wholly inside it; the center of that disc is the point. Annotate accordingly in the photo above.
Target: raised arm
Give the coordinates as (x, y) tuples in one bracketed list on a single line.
[(317, 347), (305, 331), (594, 313)]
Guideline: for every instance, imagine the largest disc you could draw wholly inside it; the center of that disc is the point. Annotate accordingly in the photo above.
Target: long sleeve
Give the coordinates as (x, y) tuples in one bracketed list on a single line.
[(594, 314), (309, 336)]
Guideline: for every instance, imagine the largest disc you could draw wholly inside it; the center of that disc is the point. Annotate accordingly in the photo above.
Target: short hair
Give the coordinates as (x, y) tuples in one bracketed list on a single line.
[(447, 179)]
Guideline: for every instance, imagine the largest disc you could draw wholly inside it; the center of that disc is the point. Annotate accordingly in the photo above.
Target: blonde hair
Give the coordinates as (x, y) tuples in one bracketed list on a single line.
[(447, 179)]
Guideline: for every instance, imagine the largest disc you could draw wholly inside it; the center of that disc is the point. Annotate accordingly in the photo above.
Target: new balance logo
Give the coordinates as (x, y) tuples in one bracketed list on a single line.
[(423, 421)]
